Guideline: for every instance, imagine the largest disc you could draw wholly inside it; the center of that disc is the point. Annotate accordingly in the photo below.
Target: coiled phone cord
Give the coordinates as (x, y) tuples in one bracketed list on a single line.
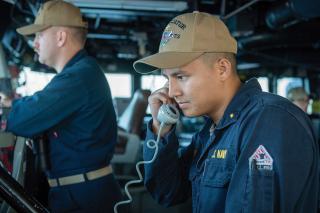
[(152, 144)]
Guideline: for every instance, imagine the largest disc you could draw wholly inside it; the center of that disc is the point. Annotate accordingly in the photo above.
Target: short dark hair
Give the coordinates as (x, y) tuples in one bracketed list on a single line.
[(210, 57)]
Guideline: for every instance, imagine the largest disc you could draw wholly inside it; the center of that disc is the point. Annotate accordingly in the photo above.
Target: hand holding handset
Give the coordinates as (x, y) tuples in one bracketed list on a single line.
[(168, 114)]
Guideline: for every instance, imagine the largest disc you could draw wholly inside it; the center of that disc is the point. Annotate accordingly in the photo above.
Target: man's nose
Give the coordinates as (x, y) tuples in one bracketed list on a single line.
[(35, 43), (174, 90)]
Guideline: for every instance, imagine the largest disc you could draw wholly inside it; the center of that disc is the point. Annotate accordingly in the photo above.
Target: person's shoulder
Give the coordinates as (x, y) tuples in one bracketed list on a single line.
[(87, 65), (276, 104), (271, 100), (87, 61)]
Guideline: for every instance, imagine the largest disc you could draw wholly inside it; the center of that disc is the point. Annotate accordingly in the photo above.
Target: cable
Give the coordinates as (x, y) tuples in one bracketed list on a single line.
[(167, 114), (152, 144)]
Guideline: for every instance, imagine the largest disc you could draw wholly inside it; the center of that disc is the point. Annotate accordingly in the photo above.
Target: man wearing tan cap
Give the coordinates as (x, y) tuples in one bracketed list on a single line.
[(256, 152), (75, 113)]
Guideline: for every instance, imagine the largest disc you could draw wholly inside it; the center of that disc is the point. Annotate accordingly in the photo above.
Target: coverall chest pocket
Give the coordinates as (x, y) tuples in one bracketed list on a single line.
[(216, 174), (214, 186)]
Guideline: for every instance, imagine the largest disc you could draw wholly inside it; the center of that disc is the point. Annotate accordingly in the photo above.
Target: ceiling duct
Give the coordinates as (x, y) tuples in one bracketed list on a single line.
[(292, 12), (284, 39)]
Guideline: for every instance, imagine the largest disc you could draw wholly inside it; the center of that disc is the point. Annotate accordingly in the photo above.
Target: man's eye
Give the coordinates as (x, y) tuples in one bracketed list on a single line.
[(181, 77)]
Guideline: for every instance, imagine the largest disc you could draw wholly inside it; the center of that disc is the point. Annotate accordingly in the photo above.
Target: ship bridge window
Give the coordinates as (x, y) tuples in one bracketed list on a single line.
[(152, 82), (264, 83), (120, 85), (286, 83), (31, 81)]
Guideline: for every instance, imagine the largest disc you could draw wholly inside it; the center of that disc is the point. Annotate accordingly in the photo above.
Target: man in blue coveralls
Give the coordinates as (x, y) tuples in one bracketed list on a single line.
[(257, 151), (74, 110)]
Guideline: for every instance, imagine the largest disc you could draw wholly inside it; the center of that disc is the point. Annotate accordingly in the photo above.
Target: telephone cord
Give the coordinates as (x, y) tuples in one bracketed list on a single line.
[(151, 144)]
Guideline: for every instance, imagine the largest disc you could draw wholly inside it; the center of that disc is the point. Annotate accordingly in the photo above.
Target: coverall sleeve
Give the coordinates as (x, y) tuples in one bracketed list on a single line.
[(34, 114), (290, 143), (167, 177)]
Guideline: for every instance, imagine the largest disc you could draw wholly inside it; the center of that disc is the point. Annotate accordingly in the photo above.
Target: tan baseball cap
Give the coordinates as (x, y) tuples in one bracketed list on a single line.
[(55, 13), (185, 38)]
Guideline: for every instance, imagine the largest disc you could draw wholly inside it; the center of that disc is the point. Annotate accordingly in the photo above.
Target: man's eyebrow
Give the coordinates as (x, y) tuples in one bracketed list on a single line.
[(172, 73)]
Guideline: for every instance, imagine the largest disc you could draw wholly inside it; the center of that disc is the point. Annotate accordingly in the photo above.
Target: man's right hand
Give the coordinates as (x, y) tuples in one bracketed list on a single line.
[(156, 99)]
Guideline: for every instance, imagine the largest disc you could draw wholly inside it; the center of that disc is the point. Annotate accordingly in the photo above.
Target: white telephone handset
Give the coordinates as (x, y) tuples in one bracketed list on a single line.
[(168, 114)]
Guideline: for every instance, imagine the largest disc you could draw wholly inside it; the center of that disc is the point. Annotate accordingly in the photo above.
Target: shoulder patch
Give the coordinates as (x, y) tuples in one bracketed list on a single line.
[(261, 159)]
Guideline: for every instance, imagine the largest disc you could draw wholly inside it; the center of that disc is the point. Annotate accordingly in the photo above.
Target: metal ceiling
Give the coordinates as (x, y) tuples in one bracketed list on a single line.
[(270, 33)]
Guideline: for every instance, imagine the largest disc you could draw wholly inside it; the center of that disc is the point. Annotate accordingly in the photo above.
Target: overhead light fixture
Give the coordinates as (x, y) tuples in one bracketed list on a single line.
[(169, 6), (247, 66), (106, 36)]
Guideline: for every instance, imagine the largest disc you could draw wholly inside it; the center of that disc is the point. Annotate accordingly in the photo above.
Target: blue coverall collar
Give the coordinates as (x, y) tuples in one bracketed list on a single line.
[(80, 54), (238, 102)]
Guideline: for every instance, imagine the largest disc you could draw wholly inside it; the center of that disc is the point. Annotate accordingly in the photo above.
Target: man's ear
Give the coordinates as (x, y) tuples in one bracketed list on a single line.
[(61, 38), (224, 68)]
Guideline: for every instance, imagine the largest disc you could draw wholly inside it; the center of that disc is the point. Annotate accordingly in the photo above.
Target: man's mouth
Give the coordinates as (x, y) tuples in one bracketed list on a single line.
[(182, 104)]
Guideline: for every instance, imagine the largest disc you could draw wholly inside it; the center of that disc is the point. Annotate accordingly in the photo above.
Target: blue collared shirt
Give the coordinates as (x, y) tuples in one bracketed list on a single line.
[(76, 112), (261, 157)]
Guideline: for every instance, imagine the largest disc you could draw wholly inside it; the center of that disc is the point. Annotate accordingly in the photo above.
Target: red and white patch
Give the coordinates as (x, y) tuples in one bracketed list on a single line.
[(262, 159)]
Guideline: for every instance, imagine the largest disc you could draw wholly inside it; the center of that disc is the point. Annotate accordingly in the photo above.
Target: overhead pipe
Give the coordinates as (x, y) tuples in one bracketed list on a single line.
[(269, 40), (240, 9), (281, 16), (292, 12)]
